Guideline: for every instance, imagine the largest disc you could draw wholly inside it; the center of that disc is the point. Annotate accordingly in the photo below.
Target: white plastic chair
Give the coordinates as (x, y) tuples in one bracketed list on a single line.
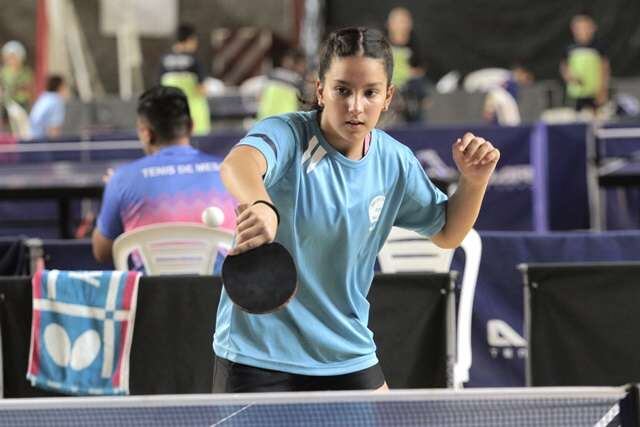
[(503, 105), (253, 86), (449, 82), (407, 251), (173, 247), (485, 79)]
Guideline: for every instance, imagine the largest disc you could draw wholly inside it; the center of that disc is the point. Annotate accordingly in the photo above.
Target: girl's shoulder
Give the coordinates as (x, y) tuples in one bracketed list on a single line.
[(296, 120), (390, 145)]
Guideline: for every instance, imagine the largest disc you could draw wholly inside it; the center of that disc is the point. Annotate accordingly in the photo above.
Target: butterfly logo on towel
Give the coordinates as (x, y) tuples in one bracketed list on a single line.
[(79, 354)]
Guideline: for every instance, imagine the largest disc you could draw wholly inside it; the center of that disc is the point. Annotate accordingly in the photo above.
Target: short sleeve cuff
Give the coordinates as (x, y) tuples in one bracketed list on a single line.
[(268, 149), (105, 231), (439, 219)]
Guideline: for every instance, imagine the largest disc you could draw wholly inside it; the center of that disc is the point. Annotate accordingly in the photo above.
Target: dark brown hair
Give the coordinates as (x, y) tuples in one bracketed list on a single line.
[(355, 41), (54, 81)]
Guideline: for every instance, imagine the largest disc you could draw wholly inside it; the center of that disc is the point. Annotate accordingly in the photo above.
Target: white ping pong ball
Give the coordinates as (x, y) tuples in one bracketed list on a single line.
[(212, 216)]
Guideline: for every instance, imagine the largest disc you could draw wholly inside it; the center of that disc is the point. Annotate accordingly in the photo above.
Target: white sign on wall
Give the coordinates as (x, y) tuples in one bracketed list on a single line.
[(157, 18)]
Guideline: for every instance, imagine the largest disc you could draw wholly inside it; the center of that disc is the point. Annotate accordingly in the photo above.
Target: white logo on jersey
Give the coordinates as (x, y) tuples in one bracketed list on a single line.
[(375, 208), (315, 152), (315, 159), (313, 143)]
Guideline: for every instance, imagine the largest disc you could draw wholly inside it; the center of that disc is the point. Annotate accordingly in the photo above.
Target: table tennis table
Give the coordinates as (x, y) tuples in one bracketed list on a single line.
[(70, 170), (620, 172), (620, 169), (561, 407), (62, 181)]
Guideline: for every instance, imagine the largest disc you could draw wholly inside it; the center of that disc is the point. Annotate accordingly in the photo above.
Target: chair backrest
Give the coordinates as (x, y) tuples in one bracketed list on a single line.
[(406, 251), (173, 248), (472, 247), (485, 79)]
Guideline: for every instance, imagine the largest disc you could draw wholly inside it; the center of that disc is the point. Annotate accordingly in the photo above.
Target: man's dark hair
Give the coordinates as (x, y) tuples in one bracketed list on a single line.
[(54, 82), (166, 111), (185, 32)]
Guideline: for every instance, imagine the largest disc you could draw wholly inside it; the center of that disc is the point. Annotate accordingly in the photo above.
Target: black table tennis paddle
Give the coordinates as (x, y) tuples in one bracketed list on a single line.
[(261, 280)]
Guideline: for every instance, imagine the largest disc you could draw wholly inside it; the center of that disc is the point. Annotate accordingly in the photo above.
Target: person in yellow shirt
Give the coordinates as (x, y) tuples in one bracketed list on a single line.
[(403, 44), (409, 67), (16, 79), (283, 90), (180, 68), (585, 66)]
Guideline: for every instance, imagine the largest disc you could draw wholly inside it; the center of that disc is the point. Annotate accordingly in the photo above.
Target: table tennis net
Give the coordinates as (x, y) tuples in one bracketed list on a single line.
[(518, 407)]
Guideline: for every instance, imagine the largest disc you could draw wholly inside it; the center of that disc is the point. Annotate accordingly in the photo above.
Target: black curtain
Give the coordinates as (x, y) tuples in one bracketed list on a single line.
[(583, 324), (409, 322), (15, 333), (172, 339), (471, 34), (14, 257), (172, 350)]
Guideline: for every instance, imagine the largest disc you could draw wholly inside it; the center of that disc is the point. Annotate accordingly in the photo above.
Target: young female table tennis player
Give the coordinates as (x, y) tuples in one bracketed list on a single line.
[(339, 186)]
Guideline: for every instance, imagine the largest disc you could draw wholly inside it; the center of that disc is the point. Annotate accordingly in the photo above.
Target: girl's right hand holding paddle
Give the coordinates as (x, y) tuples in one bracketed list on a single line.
[(256, 225)]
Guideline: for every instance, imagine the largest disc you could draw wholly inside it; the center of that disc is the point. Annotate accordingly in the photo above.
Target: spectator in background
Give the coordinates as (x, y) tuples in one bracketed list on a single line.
[(284, 87), (501, 102), (180, 68), (404, 45), (16, 79), (585, 66), (173, 182), (415, 92), (409, 69), (6, 135), (519, 77), (15, 119), (47, 114)]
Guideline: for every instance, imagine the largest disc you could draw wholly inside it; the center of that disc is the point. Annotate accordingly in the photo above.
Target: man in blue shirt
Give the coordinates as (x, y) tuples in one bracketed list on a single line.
[(47, 114), (174, 182)]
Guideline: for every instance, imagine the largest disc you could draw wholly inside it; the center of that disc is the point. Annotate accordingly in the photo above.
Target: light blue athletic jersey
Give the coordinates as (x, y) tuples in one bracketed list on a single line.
[(335, 214)]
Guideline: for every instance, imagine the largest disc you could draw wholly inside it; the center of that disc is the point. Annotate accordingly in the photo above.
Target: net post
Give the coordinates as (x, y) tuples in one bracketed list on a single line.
[(524, 269), (629, 412), (450, 331), (36, 254)]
